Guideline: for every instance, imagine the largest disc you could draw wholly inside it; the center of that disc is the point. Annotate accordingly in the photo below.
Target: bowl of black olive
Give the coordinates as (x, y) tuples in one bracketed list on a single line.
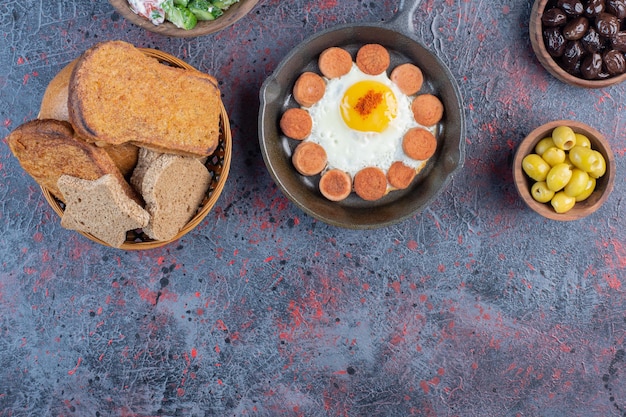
[(581, 42)]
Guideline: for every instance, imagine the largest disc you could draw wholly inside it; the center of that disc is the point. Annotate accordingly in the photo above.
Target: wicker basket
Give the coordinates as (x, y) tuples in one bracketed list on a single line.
[(218, 165)]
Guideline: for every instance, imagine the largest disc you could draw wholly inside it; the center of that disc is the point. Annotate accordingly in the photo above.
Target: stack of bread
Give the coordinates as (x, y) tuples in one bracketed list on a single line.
[(120, 141)]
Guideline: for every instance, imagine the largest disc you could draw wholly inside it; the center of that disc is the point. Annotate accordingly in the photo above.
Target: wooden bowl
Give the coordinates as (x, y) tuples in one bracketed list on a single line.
[(230, 16), (604, 184), (536, 40), (218, 165)]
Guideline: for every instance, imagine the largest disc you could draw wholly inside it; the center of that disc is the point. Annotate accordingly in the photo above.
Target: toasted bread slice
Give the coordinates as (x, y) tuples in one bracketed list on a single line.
[(54, 106), (47, 149), (173, 187), (100, 207), (117, 94), (124, 155)]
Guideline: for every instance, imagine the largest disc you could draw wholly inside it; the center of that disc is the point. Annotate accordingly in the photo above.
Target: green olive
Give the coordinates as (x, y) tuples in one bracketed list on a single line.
[(564, 137), (577, 184), (585, 158), (558, 176), (582, 140), (553, 156), (599, 168), (562, 203), (535, 167), (541, 192), (543, 145), (591, 186)]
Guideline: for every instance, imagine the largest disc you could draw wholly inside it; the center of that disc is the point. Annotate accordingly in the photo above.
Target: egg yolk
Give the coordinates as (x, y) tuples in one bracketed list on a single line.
[(368, 106)]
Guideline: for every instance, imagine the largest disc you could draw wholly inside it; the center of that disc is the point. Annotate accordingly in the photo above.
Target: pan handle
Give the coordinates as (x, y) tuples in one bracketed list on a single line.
[(403, 20)]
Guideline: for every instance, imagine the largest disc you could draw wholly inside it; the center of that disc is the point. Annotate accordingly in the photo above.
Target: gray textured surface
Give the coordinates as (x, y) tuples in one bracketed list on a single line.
[(475, 307)]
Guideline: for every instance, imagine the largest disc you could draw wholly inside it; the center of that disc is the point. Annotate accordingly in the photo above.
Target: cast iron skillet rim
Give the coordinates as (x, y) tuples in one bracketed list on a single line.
[(450, 166)]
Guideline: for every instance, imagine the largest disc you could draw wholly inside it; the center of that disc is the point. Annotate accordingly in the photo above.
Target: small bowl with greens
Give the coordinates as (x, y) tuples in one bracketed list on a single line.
[(183, 18)]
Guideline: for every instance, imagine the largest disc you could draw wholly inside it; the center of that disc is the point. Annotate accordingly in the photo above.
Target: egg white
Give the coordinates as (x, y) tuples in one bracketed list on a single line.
[(351, 150)]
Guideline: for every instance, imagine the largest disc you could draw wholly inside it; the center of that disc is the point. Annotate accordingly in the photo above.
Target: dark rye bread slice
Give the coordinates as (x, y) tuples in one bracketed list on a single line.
[(47, 149), (117, 94), (101, 208), (173, 187)]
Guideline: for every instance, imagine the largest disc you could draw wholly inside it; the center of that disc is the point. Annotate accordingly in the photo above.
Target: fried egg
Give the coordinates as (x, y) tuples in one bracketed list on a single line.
[(361, 120)]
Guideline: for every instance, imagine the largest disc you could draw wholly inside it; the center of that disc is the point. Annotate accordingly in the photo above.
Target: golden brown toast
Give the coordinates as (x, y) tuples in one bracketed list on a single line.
[(54, 106), (117, 94), (47, 149)]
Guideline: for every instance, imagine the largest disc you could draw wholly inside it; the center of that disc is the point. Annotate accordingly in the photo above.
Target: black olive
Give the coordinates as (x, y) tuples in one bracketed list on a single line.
[(594, 8), (576, 28), (587, 38), (553, 17), (591, 66), (572, 53), (571, 7), (571, 59), (614, 62), (573, 69), (607, 24), (554, 41), (618, 42), (592, 42), (617, 8)]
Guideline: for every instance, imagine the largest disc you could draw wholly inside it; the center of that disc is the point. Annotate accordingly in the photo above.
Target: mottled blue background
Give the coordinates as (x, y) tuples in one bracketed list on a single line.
[(474, 307)]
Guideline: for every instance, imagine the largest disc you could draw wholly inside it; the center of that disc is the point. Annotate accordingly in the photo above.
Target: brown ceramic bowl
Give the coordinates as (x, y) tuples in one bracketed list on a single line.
[(537, 42), (230, 16), (604, 184)]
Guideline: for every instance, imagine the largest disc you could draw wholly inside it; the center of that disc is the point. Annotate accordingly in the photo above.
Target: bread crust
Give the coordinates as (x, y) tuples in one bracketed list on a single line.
[(54, 101), (47, 149), (117, 94)]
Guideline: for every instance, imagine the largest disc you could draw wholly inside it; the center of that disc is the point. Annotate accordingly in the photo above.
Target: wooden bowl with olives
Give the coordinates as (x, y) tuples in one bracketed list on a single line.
[(581, 42), (564, 170)]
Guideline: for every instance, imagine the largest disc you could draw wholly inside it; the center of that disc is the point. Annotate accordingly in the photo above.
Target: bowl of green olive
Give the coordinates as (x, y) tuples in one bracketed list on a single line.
[(580, 42), (564, 170)]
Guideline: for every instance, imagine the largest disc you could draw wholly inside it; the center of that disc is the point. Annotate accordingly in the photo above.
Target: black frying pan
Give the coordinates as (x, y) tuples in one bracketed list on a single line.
[(353, 212)]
